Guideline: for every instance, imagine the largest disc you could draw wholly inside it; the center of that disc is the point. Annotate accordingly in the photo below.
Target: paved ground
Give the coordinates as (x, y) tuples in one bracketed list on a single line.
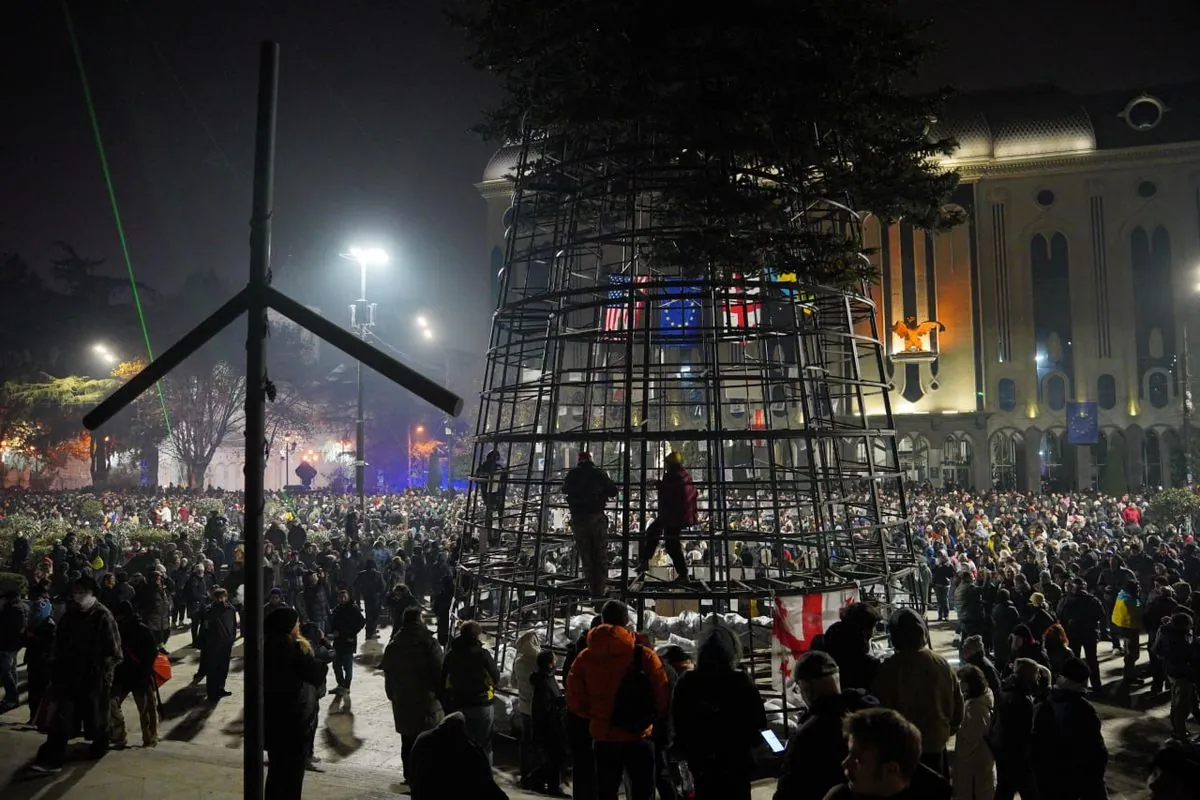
[(200, 754)]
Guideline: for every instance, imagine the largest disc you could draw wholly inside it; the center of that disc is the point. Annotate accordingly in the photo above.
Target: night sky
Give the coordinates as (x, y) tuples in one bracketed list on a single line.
[(374, 146)]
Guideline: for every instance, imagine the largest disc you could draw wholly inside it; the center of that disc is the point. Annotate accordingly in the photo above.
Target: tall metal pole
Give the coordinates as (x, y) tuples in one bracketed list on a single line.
[(1187, 409), (360, 451), (256, 428)]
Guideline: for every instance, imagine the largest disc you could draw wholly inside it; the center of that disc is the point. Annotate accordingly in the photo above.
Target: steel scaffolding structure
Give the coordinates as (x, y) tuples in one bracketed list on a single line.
[(625, 328)]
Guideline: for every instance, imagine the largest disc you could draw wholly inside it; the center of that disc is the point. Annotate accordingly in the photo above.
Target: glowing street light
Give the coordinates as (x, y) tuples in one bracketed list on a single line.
[(420, 429), (107, 356), (427, 333), (422, 322)]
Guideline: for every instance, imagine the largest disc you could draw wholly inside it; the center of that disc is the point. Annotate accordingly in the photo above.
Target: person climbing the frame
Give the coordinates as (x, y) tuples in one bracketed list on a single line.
[(588, 490), (677, 501)]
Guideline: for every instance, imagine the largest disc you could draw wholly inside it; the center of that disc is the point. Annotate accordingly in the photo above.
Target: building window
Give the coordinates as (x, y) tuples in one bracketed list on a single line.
[(1007, 452), (1056, 393), (1045, 198), (1106, 392), (1152, 459), (1156, 386), (1006, 396), (957, 453), (914, 457), (1050, 452), (1147, 189)]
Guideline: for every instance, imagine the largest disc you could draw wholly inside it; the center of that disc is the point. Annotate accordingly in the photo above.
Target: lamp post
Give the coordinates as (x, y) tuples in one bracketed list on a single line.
[(428, 335), (362, 318)]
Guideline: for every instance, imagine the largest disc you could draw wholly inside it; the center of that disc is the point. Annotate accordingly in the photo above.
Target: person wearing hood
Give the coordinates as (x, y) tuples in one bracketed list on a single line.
[(973, 654), (448, 764), (1179, 655), (718, 718), (524, 665), (936, 710), (469, 678), (812, 762), (1022, 645), (412, 679), (974, 767), (621, 743), (292, 680), (443, 603), (1066, 731), (86, 651)]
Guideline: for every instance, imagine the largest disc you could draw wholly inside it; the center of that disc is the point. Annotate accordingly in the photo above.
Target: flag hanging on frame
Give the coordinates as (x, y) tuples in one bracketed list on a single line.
[(797, 620), (742, 308), (679, 313), (617, 313)]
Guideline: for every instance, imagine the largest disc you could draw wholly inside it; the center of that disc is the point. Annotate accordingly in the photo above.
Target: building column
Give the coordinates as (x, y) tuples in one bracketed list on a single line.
[(1134, 439), (1083, 467), (981, 464), (1033, 460)]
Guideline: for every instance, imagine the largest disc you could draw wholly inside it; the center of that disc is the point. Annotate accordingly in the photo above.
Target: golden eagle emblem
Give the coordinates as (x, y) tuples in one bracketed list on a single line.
[(912, 333)]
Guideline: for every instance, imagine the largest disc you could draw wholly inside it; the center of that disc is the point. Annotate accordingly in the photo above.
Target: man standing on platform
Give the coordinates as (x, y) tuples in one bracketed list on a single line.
[(677, 501), (588, 489)]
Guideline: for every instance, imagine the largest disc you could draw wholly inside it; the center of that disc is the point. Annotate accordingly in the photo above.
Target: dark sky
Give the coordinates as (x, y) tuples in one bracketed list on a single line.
[(375, 107)]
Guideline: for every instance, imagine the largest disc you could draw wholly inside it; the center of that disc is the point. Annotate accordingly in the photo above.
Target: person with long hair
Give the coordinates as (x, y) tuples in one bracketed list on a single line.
[(291, 677), (974, 766)]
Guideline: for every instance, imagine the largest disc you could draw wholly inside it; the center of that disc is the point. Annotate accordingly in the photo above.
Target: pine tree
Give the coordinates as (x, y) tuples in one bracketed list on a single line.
[(736, 119)]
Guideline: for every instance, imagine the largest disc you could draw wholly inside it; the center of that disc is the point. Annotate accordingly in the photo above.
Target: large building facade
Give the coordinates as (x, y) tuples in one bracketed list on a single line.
[(1059, 307)]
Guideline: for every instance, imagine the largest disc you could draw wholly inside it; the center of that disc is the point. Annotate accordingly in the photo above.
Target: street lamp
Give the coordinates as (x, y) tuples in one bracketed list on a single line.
[(1187, 408), (362, 318), (105, 355)]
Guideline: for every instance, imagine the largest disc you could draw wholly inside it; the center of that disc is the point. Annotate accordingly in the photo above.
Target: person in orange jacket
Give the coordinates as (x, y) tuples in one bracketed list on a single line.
[(622, 744)]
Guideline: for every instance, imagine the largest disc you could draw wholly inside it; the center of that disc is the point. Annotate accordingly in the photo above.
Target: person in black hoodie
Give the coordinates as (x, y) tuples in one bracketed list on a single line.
[(12, 626), (718, 717), (1011, 733), (1005, 617), (849, 642), (1023, 645), (470, 677), (291, 679), (1066, 733), (344, 624), (812, 762), (447, 764), (369, 585), (134, 676), (972, 653), (548, 714), (219, 632), (579, 737)]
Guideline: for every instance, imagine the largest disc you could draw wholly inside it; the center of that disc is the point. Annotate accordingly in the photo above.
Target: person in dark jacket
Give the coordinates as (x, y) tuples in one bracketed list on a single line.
[(1005, 617), (134, 676), (677, 509), (291, 677), (344, 624), (943, 574), (20, 554), (1066, 733), (1082, 616), (370, 586), (1179, 656), (448, 764), (812, 761), (443, 603), (973, 653), (849, 642), (12, 630), (316, 601), (1011, 733), (39, 636), (154, 606), (579, 736), (588, 490), (399, 600), (548, 717), (1158, 610), (470, 677), (412, 679), (1023, 645), (883, 760), (1037, 617), (219, 633), (718, 718)]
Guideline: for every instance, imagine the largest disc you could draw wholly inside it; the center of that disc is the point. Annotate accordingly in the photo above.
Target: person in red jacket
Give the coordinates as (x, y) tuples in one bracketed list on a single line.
[(676, 511), (593, 684)]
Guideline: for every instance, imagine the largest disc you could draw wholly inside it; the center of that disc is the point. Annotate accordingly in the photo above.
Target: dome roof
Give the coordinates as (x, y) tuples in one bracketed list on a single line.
[(1036, 121), (503, 163)]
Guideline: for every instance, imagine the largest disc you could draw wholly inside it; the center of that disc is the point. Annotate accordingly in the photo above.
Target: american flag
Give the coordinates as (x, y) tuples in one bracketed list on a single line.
[(616, 315), (743, 308)]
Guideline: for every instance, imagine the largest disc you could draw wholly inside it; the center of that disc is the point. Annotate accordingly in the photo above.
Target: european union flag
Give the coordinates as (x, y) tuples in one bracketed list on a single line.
[(1083, 423), (679, 313)]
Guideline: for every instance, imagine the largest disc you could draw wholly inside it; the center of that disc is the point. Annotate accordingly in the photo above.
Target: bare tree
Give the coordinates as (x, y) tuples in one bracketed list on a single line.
[(205, 407)]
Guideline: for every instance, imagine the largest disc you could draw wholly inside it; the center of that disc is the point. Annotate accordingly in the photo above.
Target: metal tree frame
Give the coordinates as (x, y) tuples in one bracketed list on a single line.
[(772, 388)]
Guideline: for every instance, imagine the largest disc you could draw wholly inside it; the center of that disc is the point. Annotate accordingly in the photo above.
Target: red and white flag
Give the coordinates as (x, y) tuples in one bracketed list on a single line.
[(743, 308), (798, 619)]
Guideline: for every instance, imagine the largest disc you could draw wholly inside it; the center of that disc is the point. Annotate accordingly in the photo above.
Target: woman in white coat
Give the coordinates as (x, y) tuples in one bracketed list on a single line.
[(974, 767)]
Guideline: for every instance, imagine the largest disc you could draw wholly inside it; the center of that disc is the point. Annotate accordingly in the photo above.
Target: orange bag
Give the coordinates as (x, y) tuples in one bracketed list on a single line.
[(161, 671)]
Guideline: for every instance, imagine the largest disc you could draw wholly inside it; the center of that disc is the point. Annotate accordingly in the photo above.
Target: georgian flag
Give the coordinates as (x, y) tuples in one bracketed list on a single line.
[(743, 308), (798, 619)]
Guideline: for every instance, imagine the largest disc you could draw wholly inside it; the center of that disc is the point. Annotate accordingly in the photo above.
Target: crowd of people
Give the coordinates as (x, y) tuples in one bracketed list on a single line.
[(1032, 585)]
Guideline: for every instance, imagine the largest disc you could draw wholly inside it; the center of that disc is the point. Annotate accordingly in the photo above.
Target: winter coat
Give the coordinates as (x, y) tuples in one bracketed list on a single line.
[(990, 673), (446, 765), (220, 630), (677, 499), (974, 767), (369, 584), (316, 603), (1005, 617), (1081, 615), (346, 621), (1177, 653), (1011, 734), (548, 713), (1038, 619), (936, 710), (596, 675), (154, 607), (12, 625), (139, 649), (1066, 733), (412, 678), (718, 716), (86, 650), (525, 664), (812, 762), (469, 674), (588, 489), (857, 669), (291, 676)]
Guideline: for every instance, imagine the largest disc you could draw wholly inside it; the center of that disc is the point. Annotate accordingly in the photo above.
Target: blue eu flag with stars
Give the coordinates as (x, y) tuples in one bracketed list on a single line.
[(679, 313), (1083, 423)]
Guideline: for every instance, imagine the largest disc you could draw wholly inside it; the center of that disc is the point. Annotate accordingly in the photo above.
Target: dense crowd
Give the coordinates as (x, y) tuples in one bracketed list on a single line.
[(1032, 584)]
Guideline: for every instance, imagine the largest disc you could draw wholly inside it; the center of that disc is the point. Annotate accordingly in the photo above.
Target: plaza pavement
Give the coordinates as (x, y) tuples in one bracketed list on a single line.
[(200, 751)]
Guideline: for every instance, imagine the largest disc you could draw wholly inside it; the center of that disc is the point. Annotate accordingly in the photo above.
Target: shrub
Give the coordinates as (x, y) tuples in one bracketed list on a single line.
[(206, 507), (92, 511), (1173, 506)]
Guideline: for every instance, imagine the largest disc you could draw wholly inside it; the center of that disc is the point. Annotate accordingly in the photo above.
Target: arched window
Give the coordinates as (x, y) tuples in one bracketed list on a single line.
[(1152, 468), (1006, 395), (1156, 388), (1050, 452), (1006, 457), (1056, 392), (914, 457), (1106, 392), (957, 453)]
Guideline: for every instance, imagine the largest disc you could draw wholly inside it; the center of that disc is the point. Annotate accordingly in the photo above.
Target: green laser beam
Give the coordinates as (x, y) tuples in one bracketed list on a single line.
[(112, 199)]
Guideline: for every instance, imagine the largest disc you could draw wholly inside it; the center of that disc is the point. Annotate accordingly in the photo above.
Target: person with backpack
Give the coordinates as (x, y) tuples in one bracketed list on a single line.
[(588, 490), (718, 718), (620, 687)]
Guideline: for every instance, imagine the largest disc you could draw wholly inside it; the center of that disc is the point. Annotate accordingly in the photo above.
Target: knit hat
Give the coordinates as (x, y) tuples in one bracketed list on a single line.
[(584, 455), (813, 665), (675, 457), (280, 621), (1075, 671)]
